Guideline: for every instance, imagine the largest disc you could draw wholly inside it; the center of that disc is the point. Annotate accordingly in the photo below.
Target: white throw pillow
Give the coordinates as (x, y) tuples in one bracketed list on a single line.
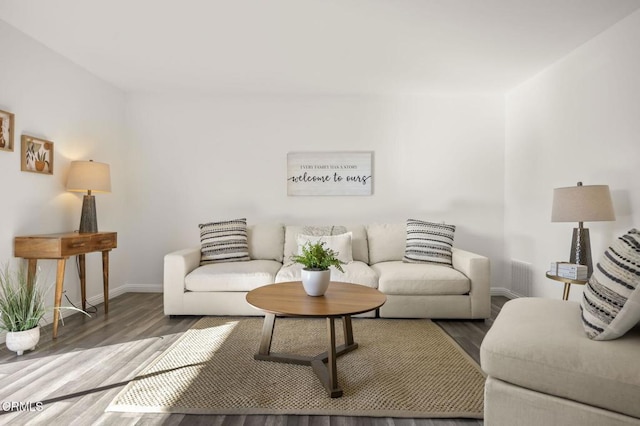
[(611, 299), (341, 244), (224, 241)]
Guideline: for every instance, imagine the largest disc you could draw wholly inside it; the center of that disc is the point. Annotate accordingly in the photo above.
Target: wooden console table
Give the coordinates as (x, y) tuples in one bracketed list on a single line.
[(61, 247)]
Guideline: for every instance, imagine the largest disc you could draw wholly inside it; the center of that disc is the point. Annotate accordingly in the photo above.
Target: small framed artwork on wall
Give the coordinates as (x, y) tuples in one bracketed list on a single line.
[(37, 155), (6, 131)]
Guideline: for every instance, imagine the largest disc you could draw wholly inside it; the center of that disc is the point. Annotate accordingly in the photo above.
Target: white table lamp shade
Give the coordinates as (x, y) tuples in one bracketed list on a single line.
[(89, 176), (590, 203)]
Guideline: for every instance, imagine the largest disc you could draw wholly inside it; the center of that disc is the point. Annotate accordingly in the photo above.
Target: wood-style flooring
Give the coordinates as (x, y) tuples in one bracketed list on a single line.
[(76, 376)]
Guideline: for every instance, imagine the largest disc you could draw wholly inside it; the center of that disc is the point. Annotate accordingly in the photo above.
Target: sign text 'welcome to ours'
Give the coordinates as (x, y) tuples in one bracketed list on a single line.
[(329, 173)]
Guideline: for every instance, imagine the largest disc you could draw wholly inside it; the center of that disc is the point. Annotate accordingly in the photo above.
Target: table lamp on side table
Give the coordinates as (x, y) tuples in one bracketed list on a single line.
[(89, 176), (582, 204)]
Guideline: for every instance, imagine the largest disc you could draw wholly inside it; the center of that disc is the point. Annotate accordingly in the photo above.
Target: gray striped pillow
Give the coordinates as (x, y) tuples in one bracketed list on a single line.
[(611, 299), (224, 241), (429, 242)]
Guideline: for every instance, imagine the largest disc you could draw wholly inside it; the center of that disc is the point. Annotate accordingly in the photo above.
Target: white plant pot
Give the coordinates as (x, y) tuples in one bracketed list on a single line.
[(20, 341), (315, 283)]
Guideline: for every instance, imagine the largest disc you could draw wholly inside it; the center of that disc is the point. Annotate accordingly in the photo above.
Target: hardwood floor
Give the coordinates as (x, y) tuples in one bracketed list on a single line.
[(76, 376)]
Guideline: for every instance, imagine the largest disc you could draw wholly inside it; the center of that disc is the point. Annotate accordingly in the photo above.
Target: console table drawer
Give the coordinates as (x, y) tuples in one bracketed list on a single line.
[(106, 241), (73, 246)]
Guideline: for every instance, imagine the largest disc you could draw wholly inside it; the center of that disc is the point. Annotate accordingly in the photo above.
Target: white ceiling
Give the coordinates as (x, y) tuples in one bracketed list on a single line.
[(314, 46)]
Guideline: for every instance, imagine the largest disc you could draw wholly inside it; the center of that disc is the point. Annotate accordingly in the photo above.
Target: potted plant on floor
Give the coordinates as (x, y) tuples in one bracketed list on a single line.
[(316, 260), (22, 307)]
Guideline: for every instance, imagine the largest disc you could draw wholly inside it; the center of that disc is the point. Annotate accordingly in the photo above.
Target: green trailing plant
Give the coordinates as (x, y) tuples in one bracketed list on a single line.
[(21, 306), (316, 256)]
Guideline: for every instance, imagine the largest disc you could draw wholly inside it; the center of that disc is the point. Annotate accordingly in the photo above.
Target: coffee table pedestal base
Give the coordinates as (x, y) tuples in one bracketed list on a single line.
[(323, 364)]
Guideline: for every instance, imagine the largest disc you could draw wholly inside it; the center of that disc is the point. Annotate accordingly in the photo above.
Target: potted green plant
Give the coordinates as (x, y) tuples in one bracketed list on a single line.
[(22, 307), (316, 260)]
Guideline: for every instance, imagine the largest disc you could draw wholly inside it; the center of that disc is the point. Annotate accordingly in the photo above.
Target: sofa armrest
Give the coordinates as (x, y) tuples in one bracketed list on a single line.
[(477, 269), (176, 267)]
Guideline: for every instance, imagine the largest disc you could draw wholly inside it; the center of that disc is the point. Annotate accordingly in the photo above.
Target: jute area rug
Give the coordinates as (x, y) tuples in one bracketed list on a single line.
[(402, 368)]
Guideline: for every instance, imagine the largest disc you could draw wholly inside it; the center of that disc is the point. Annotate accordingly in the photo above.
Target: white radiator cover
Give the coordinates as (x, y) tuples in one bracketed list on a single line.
[(521, 277)]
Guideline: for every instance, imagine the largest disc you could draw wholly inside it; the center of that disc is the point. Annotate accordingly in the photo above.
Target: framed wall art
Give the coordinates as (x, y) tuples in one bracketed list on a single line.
[(329, 173), (6, 131), (37, 155)]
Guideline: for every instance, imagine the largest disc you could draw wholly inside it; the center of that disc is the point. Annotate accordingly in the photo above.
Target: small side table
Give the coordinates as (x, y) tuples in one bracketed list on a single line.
[(61, 247), (567, 283)]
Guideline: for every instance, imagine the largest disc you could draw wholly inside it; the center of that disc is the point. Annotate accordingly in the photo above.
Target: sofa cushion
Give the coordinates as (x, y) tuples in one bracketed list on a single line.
[(355, 272), (359, 248), (429, 242), (539, 344), (386, 241), (266, 241), (398, 277), (224, 241), (232, 276), (340, 244), (611, 299)]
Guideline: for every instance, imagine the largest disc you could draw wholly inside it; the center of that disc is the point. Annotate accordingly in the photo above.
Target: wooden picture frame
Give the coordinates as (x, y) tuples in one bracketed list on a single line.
[(7, 122), (37, 155)]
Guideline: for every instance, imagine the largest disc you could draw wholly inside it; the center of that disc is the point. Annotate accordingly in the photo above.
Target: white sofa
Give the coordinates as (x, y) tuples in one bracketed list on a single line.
[(412, 290), (542, 369)]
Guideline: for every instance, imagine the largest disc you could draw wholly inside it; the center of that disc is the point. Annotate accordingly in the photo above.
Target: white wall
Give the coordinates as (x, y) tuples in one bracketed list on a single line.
[(579, 120), (199, 159), (84, 117)]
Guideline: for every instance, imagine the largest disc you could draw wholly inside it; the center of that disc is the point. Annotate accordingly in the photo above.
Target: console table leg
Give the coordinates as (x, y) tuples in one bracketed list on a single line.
[(105, 280), (58, 295), (83, 280), (31, 272)]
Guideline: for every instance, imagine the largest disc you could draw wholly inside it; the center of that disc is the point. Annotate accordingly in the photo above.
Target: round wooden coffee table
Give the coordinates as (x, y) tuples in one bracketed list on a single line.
[(340, 301)]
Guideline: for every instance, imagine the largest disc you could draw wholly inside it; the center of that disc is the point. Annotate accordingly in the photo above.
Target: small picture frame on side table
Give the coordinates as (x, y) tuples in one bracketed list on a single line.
[(6, 130), (37, 155)]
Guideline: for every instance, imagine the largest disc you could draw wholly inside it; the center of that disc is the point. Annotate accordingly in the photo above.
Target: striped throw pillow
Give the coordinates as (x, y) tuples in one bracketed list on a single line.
[(611, 299), (224, 241), (429, 242)]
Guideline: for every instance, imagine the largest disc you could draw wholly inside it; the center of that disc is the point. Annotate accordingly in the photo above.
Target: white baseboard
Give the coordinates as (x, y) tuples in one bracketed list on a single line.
[(142, 288), (501, 291)]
